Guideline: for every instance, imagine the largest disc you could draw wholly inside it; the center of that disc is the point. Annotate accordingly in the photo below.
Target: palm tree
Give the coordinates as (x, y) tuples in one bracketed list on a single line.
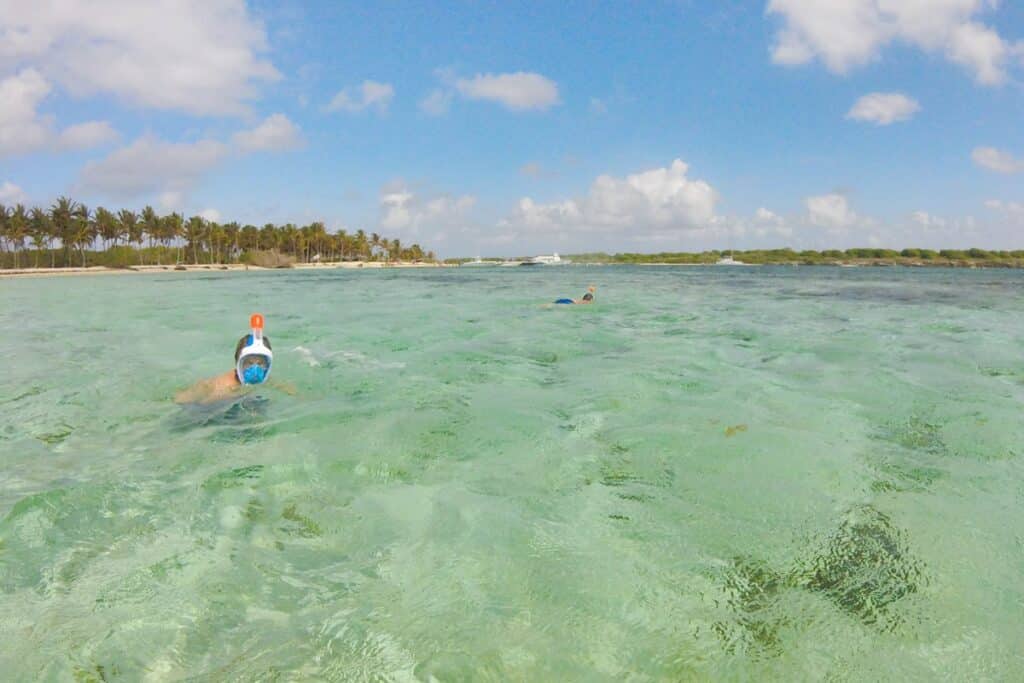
[(308, 233), (217, 240), (291, 238), (40, 231), (215, 237), (171, 227), (77, 228), (3, 228), (151, 226), (62, 217), (119, 230), (17, 230), (231, 231), (268, 237), (361, 245), (249, 238), (194, 229), (341, 239), (83, 229), (318, 232), (106, 225), (132, 228)]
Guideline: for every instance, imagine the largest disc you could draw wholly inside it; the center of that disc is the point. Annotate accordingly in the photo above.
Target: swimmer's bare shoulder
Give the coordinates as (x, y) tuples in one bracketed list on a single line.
[(209, 390)]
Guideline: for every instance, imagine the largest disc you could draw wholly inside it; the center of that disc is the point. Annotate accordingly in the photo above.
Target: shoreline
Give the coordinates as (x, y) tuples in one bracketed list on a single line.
[(866, 263), (375, 265), (205, 268)]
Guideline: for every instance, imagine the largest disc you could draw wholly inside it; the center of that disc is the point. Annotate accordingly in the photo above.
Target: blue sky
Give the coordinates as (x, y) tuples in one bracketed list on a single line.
[(511, 128)]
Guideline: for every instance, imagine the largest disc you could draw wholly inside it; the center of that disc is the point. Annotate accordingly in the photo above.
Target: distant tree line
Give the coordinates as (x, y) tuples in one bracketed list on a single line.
[(70, 234), (866, 256)]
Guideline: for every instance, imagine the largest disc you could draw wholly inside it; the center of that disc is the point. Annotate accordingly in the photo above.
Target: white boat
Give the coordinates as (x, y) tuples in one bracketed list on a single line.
[(552, 260), (542, 260), (729, 261), (478, 262)]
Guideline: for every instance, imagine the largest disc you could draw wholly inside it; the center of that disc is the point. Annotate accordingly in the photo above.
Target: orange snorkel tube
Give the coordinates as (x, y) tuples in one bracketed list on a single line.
[(256, 323)]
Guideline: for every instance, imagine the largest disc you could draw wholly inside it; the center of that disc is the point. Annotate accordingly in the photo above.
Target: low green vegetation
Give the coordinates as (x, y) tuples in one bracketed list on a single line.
[(69, 234), (867, 257)]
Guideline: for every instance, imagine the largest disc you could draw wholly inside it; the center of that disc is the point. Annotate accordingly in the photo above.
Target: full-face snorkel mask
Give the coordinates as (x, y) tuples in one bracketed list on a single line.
[(255, 358)]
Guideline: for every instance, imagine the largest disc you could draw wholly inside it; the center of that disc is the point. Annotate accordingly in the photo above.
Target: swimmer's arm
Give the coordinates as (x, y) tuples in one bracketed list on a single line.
[(210, 389), (194, 393)]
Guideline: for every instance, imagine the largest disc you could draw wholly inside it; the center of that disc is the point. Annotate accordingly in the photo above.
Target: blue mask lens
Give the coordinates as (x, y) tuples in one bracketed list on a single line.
[(254, 374)]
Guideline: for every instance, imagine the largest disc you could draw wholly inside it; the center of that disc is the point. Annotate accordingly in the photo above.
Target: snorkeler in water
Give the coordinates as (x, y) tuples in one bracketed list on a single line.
[(588, 298), (253, 360)]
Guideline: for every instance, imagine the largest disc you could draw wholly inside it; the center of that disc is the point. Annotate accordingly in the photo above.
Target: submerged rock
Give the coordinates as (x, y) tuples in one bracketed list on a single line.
[(752, 590), (864, 568)]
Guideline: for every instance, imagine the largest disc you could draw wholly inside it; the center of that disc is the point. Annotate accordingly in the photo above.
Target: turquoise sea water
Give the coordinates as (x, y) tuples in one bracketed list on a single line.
[(710, 474)]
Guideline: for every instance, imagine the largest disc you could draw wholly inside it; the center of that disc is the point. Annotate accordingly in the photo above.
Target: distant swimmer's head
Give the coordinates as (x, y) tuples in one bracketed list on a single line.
[(589, 296), (253, 355)]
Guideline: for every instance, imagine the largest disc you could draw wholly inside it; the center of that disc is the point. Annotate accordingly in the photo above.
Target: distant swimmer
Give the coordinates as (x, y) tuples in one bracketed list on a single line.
[(253, 360), (588, 298)]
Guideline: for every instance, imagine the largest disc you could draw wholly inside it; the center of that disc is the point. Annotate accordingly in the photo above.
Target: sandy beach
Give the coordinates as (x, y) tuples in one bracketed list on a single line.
[(136, 270)]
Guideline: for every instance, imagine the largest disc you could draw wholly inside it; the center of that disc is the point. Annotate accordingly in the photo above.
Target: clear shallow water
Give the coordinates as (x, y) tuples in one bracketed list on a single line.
[(710, 474)]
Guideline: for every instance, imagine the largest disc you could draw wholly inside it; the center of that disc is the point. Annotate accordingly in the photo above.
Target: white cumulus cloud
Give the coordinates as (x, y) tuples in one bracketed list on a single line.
[(884, 108), (849, 33), (170, 200), (275, 133), (11, 193), (832, 212), (766, 222), (927, 220), (518, 91), (1011, 212), (369, 95), (87, 135), (983, 51), (408, 213), (152, 166), (198, 56), (997, 160), (22, 129), (212, 215), (656, 202)]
